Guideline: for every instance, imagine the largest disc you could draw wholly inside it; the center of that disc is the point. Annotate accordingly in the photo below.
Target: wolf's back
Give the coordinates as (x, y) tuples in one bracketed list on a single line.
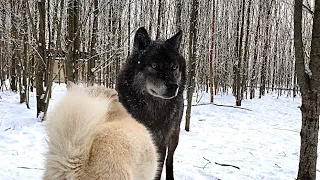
[(71, 127)]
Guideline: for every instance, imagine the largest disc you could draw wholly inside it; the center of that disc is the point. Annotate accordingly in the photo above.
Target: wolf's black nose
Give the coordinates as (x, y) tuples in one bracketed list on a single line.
[(172, 87)]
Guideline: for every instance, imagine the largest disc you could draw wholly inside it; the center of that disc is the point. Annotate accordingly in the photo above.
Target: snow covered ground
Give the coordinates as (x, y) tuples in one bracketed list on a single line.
[(263, 143)]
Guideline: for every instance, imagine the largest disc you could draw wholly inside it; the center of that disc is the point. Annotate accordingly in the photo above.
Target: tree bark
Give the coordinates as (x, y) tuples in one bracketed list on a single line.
[(192, 60), (41, 66), (310, 92), (70, 64), (211, 79), (178, 14), (253, 80), (25, 56), (13, 82), (265, 53), (93, 51), (246, 51), (239, 68), (159, 19)]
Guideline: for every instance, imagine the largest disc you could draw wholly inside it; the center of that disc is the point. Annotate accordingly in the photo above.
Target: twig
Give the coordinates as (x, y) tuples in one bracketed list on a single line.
[(286, 130), (222, 106), (308, 9), (227, 165), (3, 116), (7, 129), (277, 165), (284, 154), (30, 168), (209, 162), (198, 100)]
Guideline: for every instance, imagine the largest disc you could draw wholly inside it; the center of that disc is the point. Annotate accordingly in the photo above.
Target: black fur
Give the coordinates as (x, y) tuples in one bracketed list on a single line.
[(159, 63)]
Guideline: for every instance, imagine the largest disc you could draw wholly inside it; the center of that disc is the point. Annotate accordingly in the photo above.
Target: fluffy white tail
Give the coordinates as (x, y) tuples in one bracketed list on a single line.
[(71, 127), (91, 136)]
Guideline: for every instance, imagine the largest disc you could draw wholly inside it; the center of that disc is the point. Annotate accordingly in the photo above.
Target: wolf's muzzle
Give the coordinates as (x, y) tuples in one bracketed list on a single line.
[(171, 90)]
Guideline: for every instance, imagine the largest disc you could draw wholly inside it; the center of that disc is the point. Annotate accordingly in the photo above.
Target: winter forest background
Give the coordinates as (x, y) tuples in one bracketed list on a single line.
[(247, 48)]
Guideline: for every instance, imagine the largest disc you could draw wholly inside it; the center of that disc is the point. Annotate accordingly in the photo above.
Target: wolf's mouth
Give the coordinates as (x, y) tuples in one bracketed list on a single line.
[(154, 92)]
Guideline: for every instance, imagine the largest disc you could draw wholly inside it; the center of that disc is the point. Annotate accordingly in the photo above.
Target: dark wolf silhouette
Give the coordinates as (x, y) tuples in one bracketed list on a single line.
[(150, 86)]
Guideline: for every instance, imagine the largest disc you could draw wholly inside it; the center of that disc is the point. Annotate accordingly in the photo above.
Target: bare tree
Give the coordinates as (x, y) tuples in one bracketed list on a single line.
[(192, 60), (310, 92), (211, 83), (93, 51)]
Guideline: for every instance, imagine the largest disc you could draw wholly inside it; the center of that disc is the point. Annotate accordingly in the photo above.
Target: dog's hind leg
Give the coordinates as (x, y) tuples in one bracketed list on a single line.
[(172, 145)]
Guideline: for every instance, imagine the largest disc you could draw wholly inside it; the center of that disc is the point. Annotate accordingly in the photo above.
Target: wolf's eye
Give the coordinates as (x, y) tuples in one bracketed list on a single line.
[(154, 65), (174, 67)]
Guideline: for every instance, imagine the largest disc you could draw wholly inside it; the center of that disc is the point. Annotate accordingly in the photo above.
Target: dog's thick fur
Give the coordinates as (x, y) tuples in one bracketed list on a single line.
[(92, 136), (150, 86)]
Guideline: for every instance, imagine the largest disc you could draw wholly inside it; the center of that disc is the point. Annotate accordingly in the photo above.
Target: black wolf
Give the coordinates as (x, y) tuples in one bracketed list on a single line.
[(150, 86)]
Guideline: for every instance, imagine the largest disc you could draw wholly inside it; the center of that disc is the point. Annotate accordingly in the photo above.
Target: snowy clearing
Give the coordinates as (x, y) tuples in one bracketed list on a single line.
[(263, 143)]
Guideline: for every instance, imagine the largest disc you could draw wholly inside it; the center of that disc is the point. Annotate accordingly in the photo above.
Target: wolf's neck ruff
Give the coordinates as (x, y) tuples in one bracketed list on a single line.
[(150, 86)]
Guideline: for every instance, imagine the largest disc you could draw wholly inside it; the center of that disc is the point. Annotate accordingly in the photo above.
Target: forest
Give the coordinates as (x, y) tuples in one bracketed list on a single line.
[(246, 48)]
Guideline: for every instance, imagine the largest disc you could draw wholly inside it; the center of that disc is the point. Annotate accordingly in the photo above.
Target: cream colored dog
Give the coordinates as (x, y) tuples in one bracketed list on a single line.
[(92, 136)]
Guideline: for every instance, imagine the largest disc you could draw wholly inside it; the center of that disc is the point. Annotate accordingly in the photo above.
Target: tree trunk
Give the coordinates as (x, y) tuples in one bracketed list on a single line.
[(93, 51), (310, 92), (246, 51), (76, 43), (239, 68), (25, 56), (129, 23), (178, 14), (253, 80), (192, 60), (53, 55), (41, 66), (13, 82), (159, 19), (211, 79), (70, 65)]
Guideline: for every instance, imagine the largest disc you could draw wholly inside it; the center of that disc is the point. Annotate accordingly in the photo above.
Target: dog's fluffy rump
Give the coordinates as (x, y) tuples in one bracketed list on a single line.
[(91, 136)]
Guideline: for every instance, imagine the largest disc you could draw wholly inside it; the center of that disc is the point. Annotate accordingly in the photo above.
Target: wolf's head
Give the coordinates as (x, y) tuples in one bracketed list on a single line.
[(159, 66)]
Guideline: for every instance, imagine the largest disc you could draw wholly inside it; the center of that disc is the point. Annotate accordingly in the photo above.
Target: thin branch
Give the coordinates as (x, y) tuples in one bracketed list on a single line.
[(209, 162), (286, 130), (308, 9), (22, 167), (227, 165), (222, 106), (3, 116)]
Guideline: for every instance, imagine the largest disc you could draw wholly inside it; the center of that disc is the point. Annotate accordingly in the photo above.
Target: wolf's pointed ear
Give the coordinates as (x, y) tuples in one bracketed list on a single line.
[(70, 85), (141, 39), (175, 40)]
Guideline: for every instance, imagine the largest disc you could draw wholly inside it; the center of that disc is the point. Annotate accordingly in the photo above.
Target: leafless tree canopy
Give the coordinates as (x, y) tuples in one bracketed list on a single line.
[(87, 41), (244, 47)]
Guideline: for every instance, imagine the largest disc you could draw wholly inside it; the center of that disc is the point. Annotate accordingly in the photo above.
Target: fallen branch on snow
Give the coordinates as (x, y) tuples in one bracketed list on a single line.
[(227, 165), (286, 130), (3, 116), (221, 105), (209, 162), (30, 168)]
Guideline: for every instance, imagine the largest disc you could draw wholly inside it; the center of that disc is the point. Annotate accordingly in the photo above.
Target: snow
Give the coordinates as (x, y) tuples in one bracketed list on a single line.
[(264, 142)]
